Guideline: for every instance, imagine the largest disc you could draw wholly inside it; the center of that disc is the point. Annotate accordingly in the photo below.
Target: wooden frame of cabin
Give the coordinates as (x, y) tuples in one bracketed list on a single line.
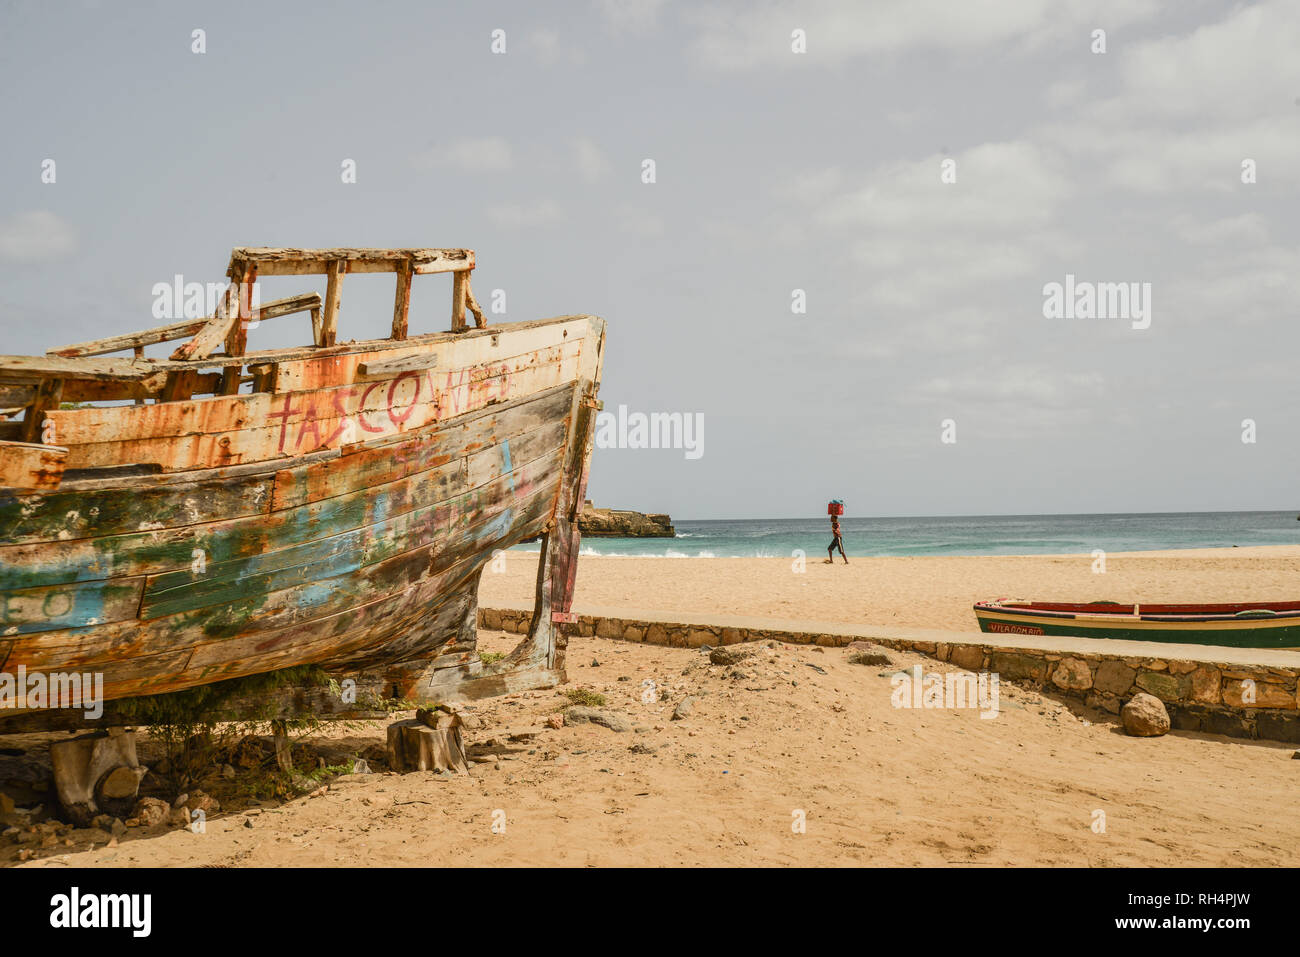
[(190, 405)]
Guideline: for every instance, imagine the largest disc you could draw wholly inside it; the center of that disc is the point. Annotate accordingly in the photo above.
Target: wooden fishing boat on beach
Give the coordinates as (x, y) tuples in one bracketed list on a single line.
[(1236, 625), (221, 513)]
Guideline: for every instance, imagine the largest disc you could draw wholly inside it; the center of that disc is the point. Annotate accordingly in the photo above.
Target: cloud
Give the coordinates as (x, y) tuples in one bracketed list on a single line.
[(921, 242), (1248, 228), (630, 15), (469, 155), (1063, 93), (1021, 400), (735, 35), (1192, 107), (1243, 65), (636, 221), (1235, 286), (1149, 159), (550, 48), (543, 212), (1015, 384), (1010, 185), (36, 236), (590, 160)]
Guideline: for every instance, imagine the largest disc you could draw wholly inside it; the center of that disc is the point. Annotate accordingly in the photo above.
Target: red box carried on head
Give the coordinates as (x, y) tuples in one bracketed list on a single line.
[(836, 507)]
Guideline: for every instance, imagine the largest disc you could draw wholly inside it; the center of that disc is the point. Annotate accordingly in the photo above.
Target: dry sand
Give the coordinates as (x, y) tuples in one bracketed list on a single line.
[(908, 592), (879, 785)]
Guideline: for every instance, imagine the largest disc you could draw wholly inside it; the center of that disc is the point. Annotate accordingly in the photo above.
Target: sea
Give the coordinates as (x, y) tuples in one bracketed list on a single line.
[(957, 535)]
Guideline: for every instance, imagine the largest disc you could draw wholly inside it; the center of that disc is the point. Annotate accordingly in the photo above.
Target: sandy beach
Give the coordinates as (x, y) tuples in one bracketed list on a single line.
[(793, 733), (797, 729), (908, 592)]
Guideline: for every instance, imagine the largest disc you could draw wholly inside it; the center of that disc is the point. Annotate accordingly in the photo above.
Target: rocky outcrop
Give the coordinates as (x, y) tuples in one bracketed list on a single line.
[(618, 523)]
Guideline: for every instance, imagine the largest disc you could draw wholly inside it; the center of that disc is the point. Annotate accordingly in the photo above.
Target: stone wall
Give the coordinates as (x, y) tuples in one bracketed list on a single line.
[(1202, 688)]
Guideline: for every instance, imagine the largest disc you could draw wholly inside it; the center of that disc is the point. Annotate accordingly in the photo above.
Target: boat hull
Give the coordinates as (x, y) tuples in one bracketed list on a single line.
[(341, 518), (1278, 630)]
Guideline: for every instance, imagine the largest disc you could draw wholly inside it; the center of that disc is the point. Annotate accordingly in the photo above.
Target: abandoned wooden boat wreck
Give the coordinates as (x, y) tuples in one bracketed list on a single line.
[(226, 513), (1241, 625)]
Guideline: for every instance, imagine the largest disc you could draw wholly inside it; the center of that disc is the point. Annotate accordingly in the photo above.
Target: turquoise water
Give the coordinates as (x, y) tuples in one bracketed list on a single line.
[(959, 535)]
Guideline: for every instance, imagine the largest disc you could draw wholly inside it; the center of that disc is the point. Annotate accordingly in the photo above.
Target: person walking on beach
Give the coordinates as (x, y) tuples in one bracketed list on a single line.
[(837, 541)]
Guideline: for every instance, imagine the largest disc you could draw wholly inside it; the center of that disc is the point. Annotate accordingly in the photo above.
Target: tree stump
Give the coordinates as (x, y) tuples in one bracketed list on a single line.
[(97, 774), (431, 741)]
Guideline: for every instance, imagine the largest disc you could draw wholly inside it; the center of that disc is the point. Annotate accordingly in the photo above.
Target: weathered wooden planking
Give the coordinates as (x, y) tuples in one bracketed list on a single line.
[(167, 549), (488, 509), (236, 412), (296, 613), (89, 513), (590, 326), (177, 330), (95, 347), (412, 363), (85, 390), (320, 372), (27, 610), (413, 622), (140, 505), (56, 367), (49, 393), (216, 329), (327, 335), (286, 261), (264, 615), (403, 456), (322, 428), (346, 552), (398, 616), (311, 545), (31, 466), (402, 301), (16, 396)]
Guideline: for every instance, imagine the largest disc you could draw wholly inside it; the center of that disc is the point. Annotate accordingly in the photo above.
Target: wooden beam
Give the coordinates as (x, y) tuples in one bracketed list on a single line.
[(31, 466), (133, 340), (473, 305), (413, 363), (303, 262), (216, 329), (333, 296), (180, 385), (237, 337), (289, 305), (264, 375), (459, 284), (48, 396), (86, 390), (17, 396), (179, 330), (402, 305), (16, 369)]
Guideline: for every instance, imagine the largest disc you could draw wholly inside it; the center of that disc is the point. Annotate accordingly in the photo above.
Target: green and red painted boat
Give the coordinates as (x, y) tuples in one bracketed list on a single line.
[(173, 521), (1234, 625)]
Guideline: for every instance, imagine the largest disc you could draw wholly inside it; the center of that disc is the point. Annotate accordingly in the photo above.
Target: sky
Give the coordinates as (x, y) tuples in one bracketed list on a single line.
[(915, 173)]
